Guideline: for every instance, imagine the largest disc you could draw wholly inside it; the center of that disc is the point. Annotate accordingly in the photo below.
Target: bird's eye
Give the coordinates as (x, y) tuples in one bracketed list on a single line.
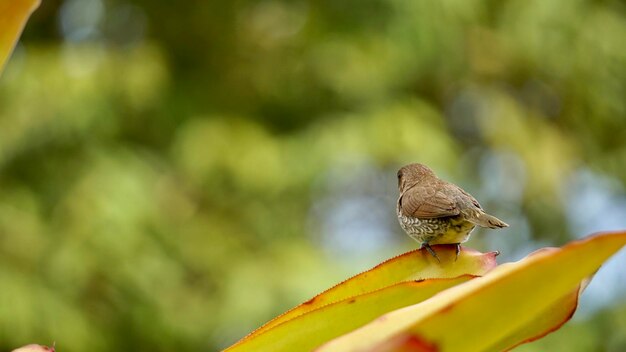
[(399, 175)]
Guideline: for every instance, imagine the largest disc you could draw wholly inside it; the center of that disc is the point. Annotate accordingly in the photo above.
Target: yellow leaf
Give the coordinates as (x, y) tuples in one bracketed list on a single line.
[(490, 312), (549, 320), (13, 17), (411, 266), (308, 331)]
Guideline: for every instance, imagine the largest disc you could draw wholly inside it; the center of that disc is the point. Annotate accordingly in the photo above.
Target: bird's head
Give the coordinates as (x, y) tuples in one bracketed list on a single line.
[(412, 174)]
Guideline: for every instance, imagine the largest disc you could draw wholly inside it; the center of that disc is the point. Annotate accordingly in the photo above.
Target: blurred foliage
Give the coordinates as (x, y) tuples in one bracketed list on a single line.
[(171, 177)]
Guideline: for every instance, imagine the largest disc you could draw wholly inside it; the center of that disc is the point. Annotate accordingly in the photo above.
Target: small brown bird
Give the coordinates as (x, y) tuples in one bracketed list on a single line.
[(433, 211)]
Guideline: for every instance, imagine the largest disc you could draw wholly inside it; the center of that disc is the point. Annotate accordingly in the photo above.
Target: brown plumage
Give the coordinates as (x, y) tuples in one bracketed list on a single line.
[(433, 211)]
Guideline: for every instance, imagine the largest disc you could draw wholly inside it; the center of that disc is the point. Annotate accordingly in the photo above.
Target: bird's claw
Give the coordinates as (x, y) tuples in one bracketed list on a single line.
[(431, 251)]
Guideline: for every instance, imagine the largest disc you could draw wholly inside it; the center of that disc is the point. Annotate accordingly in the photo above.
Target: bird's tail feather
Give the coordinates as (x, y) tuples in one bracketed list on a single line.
[(490, 221)]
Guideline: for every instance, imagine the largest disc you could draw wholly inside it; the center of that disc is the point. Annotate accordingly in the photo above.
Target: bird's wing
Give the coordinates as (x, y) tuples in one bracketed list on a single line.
[(470, 197), (425, 202)]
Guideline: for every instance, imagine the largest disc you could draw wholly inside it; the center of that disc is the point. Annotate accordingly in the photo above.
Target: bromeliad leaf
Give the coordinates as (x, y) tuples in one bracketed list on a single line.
[(512, 304), (307, 331), (408, 267)]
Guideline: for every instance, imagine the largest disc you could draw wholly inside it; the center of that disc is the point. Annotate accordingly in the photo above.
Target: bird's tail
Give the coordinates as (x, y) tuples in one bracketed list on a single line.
[(490, 221)]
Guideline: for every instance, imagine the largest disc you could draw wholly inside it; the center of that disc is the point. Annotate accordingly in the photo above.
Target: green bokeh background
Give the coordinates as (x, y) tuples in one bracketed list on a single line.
[(172, 175)]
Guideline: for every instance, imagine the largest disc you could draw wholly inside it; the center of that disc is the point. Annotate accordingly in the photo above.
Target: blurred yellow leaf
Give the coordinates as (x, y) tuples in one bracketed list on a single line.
[(392, 285), (512, 304), (13, 17)]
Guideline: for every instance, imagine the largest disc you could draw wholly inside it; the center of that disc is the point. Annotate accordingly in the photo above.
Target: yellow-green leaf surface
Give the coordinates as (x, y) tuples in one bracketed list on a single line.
[(305, 332), (487, 312), (549, 320), (410, 266), (13, 17)]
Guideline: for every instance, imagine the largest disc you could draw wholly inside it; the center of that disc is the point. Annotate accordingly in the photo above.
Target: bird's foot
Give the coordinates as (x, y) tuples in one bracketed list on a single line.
[(431, 251)]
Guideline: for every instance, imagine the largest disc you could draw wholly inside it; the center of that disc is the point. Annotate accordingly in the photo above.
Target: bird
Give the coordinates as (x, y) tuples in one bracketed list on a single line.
[(433, 211)]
